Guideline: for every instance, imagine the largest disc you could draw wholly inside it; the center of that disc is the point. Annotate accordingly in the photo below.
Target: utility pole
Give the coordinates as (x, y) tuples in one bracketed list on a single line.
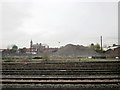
[(101, 43)]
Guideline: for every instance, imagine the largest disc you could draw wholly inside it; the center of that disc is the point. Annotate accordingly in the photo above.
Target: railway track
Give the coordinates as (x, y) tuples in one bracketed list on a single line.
[(61, 80), (110, 65), (60, 72), (75, 73)]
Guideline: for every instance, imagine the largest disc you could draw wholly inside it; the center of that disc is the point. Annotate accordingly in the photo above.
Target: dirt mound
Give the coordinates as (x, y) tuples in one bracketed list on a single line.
[(75, 50)]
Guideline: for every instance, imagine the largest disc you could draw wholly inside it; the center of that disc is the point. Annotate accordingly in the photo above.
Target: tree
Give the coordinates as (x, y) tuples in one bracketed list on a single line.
[(23, 50), (92, 46), (46, 57), (14, 48), (95, 47)]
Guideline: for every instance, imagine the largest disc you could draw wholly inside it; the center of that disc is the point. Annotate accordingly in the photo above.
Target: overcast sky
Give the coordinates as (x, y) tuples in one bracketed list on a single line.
[(50, 22)]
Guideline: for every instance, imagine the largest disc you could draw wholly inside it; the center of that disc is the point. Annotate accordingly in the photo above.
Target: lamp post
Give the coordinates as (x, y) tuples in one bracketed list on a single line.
[(101, 43)]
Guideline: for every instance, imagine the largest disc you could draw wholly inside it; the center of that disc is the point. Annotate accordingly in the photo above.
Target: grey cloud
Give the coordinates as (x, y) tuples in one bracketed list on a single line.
[(81, 23), (12, 15)]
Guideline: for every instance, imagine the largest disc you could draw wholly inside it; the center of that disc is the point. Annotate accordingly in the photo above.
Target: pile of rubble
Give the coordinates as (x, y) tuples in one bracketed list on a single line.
[(71, 50)]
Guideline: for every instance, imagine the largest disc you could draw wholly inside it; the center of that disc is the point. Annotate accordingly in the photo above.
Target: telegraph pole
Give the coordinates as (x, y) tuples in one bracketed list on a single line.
[(101, 42)]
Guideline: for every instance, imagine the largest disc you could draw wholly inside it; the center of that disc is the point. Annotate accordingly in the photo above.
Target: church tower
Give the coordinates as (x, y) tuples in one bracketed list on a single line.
[(31, 45)]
